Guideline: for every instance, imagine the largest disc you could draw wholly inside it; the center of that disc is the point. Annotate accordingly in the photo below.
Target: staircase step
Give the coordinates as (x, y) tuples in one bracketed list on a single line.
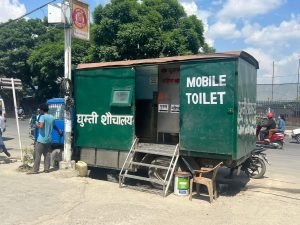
[(149, 165), (156, 149), (143, 178), (154, 152)]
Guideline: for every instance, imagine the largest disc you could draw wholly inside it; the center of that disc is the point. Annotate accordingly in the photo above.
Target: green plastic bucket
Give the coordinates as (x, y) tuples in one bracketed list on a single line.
[(182, 183)]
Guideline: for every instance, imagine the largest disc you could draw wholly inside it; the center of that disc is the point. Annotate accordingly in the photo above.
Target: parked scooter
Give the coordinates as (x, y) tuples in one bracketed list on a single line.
[(296, 135), (255, 166)]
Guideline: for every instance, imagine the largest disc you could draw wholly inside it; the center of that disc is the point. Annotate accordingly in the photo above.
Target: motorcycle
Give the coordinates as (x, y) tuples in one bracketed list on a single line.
[(255, 166), (296, 135), (21, 114), (276, 141)]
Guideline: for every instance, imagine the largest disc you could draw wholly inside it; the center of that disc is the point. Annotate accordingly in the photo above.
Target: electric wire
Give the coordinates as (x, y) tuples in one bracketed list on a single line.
[(21, 17)]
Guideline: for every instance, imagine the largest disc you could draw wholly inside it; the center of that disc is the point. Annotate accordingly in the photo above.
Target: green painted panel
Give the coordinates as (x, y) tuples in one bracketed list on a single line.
[(246, 117), (114, 128), (207, 91)]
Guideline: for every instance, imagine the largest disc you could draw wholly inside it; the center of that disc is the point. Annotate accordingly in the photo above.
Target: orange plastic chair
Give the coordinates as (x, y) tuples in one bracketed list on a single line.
[(210, 183)]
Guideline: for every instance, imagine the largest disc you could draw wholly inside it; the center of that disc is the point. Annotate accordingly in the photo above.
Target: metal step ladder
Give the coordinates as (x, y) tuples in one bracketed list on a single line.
[(171, 151)]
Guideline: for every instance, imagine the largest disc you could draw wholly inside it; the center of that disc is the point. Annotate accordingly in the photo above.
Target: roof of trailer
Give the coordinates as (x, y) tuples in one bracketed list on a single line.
[(234, 54)]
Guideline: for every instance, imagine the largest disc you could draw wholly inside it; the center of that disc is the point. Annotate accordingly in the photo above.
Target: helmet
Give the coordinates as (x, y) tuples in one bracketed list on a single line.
[(270, 115)]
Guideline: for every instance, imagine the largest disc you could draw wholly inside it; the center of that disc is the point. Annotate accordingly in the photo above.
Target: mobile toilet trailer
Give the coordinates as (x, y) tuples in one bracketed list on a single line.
[(149, 112)]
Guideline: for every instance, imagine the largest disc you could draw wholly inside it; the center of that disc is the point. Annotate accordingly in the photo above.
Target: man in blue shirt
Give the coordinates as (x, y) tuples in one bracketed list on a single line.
[(281, 123), (44, 140)]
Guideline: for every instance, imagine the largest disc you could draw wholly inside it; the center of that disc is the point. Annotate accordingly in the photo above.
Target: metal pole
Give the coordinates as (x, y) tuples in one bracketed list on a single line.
[(272, 82), (16, 114), (67, 121), (298, 100)]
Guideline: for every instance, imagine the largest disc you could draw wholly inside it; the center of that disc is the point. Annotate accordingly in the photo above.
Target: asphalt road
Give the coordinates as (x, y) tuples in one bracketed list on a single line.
[(11, 138)]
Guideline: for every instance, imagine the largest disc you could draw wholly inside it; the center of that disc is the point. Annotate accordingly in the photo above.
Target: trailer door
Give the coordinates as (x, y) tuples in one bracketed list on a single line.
[(104, 103), (207, 106)]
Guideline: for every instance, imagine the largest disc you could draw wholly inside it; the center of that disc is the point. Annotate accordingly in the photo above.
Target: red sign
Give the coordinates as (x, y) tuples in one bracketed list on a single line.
[(79, 18)]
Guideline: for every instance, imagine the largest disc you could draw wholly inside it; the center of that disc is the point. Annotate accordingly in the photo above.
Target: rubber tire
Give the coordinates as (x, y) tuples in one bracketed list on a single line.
[(56, 157), (298, 138), (159, 173), (280, 143), (263, 168)]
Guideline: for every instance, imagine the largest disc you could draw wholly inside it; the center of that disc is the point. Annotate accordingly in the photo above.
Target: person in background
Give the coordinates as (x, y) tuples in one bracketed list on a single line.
[(281, 123), (2, 129), (270, 125), (42, 147)]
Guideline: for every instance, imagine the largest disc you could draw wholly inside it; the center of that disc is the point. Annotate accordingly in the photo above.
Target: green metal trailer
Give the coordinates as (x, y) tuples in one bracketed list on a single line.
[(204, 103)]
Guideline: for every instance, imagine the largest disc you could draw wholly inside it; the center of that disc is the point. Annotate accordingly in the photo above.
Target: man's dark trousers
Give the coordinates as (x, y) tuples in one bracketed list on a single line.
[(41, 149)]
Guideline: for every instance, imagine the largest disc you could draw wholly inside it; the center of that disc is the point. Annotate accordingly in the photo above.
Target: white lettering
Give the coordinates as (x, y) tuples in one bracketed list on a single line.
[(195, 98), (189, 97), (221, 94), (205, 81), (190, 83), (109, 119), (213, 98), (210, 98), (222, 80), (87, 118)]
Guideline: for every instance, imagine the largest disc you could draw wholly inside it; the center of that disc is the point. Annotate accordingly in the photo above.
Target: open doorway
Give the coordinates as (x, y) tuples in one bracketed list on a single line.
[(157, 103)]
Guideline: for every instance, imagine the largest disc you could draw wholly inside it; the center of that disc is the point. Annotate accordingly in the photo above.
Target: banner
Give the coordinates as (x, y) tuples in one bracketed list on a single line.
[(80, 17)]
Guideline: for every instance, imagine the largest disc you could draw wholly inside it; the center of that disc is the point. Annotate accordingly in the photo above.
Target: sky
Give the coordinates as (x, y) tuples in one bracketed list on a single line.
[(267, 29)]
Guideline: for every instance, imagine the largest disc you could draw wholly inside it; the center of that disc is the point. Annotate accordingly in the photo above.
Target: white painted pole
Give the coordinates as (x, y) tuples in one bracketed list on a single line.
[(67, 121), (16, 114)]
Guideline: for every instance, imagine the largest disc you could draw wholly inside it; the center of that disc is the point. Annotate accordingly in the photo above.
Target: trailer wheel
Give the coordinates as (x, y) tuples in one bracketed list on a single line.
[(157, 173)]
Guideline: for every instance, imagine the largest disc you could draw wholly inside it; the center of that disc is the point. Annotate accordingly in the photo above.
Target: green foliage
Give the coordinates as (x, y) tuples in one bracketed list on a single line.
[(134, 29), (33, 51)]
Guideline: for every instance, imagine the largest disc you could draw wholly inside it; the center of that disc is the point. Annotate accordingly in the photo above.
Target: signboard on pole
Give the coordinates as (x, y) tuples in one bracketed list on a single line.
[(80, 17)]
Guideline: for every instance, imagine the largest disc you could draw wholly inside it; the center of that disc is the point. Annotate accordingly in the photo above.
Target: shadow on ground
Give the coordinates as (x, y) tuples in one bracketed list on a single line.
[(7, 138), (226, 187)]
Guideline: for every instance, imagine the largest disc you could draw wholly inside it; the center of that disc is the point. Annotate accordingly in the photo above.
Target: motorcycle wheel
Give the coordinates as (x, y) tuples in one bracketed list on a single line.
[(280, 143), (256, 169), (298, 138)]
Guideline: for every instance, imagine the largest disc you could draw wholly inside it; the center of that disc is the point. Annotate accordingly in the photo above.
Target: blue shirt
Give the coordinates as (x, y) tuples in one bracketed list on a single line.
[(281, 125), (45, 133)]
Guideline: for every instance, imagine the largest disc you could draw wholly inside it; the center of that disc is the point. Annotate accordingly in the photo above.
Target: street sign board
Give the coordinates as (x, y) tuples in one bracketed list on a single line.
[(8, 87), (80, 19)]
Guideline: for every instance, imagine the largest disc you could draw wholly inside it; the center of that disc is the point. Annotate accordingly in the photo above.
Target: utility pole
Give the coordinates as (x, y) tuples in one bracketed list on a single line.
[(66, 163), (298, 100), (273, 83)]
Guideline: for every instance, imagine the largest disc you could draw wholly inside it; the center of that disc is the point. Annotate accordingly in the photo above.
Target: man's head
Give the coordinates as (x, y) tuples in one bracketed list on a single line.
[(270, 115), (43, 108)]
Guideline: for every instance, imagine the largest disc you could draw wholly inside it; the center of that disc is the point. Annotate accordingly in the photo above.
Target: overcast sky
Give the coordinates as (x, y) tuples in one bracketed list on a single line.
[(267, 29)]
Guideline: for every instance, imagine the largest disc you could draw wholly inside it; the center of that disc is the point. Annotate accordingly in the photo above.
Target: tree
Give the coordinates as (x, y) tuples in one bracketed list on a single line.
[(132, 29), (17, 41), (47, 66)]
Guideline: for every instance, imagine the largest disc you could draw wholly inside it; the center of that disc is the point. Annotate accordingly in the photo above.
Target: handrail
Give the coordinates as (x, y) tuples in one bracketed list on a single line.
[(131, 149), (171, 163), (169, 181)]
